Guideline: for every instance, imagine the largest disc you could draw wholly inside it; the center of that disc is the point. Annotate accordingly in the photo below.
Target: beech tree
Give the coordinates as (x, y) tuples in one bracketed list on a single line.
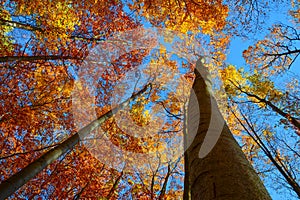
[(224, 173), (43, 150)]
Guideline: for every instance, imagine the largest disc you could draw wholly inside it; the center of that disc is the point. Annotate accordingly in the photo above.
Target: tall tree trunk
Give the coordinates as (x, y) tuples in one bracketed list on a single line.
[(36, 58), (13, 183), (224, 173)]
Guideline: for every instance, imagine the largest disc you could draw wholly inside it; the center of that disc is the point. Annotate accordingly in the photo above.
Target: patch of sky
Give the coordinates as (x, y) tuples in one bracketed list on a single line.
[(277, 15)]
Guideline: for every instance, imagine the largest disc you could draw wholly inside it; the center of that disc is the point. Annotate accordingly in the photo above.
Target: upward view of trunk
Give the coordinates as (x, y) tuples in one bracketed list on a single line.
[(224, 173), (13, 183)]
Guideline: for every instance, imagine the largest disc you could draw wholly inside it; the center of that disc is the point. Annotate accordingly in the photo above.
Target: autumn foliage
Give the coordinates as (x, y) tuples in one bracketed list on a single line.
[(66, 63)]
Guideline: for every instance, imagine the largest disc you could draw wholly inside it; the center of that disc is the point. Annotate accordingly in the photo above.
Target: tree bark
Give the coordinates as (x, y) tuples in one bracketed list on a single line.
[(35, 58), (224, 173), (13, 183)]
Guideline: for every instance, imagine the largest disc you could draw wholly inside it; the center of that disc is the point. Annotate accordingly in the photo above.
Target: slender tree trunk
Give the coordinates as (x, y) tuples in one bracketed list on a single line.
[(20, 25), (35, 58), (276, 109), (13, 183), (164, 187), (286, 173), (224, 173), (113, 188)]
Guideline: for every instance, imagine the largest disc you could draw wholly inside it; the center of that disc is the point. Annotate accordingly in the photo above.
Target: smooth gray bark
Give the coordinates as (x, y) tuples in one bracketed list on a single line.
[(13, 183), (224, 173)]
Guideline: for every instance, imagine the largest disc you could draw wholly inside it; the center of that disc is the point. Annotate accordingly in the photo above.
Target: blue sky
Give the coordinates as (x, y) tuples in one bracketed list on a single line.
[(238, 45), (235, 57)]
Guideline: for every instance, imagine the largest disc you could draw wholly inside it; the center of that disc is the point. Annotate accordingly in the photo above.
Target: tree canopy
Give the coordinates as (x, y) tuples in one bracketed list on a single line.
[(95, 98)]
